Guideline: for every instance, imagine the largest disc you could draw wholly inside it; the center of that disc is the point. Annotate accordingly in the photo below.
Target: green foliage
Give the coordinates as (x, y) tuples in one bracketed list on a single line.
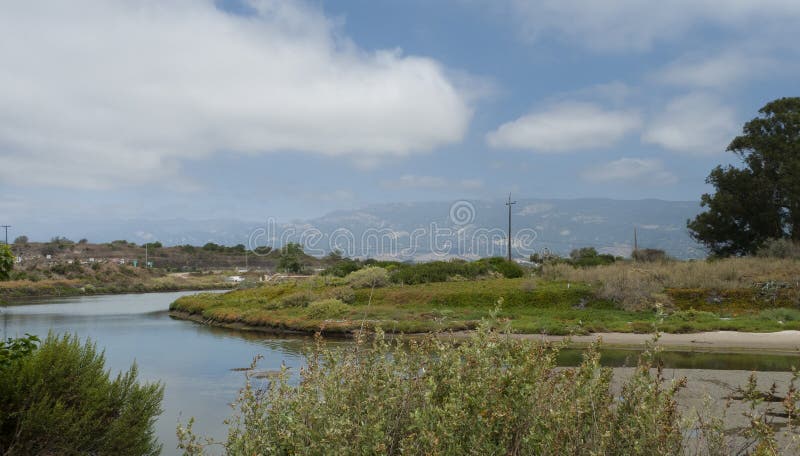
[(6, 262), (489, 394), (369, 277), (212, 247), (508, 269), (760, 200), (59, 399), (290, 258), (780, 248), (11, 350), (21, 240), (342, 267), (588, 257), (153, 245), (298, 299), (327, 308)]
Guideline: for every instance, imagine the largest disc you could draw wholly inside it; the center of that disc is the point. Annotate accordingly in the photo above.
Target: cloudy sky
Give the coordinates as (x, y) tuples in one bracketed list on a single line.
[(248, 108)]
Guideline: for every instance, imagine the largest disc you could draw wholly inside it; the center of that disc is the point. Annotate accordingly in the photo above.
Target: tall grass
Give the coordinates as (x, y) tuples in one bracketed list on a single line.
[(637, 285)]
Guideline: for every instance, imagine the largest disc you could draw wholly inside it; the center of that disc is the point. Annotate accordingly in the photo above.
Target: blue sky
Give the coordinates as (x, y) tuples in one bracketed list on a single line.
[(289, 109)]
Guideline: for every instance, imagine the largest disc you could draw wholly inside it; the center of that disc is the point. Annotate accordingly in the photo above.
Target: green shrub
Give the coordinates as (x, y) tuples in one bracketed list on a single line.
[(6, 262), (368, 277), (780, 248), (487, 395), (780, 314), (298, 299), (649, 255), (327, 308), (59, 399), (342, 268), (344, 294)]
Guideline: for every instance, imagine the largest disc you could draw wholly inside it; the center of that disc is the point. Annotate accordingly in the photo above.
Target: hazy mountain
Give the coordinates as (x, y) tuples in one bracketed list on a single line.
[(429, 229)]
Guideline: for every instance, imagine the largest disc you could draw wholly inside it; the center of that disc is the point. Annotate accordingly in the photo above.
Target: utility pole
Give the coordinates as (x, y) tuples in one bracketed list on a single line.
[(6, 227), (245, 259), (509, 204), (635, 240), (145, 255)]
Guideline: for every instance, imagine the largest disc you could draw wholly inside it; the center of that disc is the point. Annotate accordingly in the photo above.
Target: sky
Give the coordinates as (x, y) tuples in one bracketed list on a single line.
[(250, 109)]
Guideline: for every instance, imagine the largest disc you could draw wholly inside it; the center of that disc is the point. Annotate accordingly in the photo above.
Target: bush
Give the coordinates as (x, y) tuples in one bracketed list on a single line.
[(780, 248), (368, 277), (490, 394), (327, 308), (59, 399), (649, 255), (299, 299), (344, 294), (342, 267), (588, 256), (6, 262)]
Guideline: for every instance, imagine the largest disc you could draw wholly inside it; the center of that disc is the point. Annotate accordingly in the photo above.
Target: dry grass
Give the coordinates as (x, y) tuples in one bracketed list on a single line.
[(636, 285)]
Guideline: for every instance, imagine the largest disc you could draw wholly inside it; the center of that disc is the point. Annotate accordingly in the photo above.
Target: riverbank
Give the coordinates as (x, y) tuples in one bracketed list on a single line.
[(781, 342), (20, 289)]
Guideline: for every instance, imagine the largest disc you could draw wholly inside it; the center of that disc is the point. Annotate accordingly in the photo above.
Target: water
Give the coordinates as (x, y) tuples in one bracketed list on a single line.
[(195, 362)]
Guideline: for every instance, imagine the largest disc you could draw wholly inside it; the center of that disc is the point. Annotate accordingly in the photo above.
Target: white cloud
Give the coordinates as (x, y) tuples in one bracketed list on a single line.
[(621, 25), (96, 93), (565, 127), (638, 170), (695, 123), (719, 71), (407, 181)]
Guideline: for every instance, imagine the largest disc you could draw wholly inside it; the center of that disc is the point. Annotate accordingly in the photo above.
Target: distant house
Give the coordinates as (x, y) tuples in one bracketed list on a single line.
[(19, 259), (235, 279)]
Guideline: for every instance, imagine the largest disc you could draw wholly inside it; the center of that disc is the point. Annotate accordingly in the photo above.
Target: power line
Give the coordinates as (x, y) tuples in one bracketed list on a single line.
[(6, 227), (509, 204)]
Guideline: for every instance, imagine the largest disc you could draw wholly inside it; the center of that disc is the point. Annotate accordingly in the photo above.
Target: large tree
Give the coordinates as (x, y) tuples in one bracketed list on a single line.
[(760, 199)]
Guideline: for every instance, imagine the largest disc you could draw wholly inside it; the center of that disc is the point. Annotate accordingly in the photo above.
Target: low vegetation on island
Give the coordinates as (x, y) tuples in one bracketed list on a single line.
[(557, 297)]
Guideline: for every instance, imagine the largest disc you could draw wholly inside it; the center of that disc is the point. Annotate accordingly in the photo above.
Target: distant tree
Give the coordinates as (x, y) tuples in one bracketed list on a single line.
[(289, 260), (6, 262), (263, 250), (760, 200), (583, 252), (83, 241), (21, 240), (211, 247), (153, 245), (335, 255), (649, 255)]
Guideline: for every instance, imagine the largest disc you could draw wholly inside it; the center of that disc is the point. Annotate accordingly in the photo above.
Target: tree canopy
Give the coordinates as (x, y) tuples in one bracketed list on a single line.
[(759, 200)]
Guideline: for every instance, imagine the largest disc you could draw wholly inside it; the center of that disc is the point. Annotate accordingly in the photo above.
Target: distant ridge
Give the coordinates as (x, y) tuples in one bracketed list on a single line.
[(559, 225)]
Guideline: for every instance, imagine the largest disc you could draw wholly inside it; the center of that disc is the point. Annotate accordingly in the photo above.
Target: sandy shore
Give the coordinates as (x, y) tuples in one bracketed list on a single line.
[(715, 393), (784, 342), (716, 341)]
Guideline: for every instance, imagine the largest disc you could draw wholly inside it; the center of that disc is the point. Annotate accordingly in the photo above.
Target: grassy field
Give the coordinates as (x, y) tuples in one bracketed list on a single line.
[(563, 300)]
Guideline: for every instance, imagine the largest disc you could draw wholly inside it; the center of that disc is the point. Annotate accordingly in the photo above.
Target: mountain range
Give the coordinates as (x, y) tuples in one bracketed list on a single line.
[(428, 230)]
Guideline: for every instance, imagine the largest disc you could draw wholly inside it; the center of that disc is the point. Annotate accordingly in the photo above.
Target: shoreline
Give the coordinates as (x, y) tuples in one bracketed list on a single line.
[(11, 300), (780, 342)]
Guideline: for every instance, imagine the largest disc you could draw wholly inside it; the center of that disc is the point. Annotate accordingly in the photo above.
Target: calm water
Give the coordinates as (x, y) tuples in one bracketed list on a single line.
[(195, 361)]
